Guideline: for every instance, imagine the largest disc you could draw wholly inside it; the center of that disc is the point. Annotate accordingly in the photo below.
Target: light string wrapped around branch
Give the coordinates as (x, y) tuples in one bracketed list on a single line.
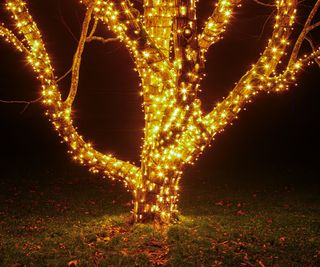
[(59, 112), (169, 54)]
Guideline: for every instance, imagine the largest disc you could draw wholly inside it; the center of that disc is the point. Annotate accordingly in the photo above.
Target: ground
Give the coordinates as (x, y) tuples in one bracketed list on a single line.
[(72, 219)]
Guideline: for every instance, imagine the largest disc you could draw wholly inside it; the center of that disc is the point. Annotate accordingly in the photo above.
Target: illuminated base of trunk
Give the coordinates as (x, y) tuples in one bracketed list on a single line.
[(150, 207), (154, 217)]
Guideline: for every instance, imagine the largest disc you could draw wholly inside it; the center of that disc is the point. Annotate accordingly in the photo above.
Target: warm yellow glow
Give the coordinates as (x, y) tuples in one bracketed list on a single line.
[(169, 53)]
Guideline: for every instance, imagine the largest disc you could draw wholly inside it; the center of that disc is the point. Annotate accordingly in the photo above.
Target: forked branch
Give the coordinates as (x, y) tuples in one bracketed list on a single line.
[(216, 24), (11, 38), (20, 101), (60, 113), (91, 37), (125, 21), (26, 103), (307, 27), (313, 49), (283, 81), (248, 86)]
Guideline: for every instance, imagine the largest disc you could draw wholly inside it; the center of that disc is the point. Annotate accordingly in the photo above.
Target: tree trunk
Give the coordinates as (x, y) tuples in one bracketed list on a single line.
[(156, 202)]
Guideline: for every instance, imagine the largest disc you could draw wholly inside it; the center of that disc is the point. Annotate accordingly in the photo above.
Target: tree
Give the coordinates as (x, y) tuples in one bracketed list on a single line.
[(169, 53)]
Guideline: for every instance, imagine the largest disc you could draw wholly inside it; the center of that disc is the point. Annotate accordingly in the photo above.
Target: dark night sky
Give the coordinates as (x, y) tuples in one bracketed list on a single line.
[(277, 133)]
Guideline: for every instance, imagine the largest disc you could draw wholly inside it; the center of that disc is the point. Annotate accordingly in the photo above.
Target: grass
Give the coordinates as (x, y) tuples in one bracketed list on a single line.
[(82, 222)]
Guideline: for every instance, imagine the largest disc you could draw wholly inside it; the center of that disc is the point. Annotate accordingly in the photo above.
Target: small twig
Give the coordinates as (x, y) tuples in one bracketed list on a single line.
[(313, 49), (313, 26), (263, 4), (304, 32), (27, 103), (20, 101), (265, 23), (94, 28), (67, 27), (64, 75), (77, 57), (101, 39)]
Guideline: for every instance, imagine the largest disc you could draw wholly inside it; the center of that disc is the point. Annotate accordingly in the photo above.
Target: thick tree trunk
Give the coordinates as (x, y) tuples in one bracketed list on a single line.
[(156, 202)]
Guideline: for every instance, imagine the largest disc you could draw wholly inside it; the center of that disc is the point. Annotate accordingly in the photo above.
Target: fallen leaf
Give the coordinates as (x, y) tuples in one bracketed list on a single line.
[(241, 212), (73, 263), (282, 238), (219, 203)]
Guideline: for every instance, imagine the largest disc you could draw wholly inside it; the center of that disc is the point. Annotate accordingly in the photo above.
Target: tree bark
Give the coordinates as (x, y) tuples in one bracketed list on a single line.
[(157, 201)]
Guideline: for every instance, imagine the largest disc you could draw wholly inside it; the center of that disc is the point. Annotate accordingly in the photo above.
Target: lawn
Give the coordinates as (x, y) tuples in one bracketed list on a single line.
[(79, 220)]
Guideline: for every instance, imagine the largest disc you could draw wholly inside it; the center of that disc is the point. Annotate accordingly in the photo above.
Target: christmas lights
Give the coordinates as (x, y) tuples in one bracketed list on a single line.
[(169, 52)]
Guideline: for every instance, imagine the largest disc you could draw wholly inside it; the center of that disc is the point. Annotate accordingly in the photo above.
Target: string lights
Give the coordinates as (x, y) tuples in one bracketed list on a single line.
[(169, 52)]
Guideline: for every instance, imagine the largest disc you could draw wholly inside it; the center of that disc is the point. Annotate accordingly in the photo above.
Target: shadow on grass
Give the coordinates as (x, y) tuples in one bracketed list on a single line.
[(79, 220)]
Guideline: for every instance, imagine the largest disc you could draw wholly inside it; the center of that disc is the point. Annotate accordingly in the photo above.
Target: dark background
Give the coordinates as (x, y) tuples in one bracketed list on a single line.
[(277, 135)]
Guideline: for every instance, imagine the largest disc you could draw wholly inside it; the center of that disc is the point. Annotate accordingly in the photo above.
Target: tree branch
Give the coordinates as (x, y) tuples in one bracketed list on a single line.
[(101, 39), (64, 75), (125, 21), (313, 48), (158, 22), (263, 4), (196, 138), (78, 56), (282, 82), (65, 24), (12, 39), (313, 26), (21, 101), (60, 113), (216, 23), (227, 110), (94, 28), (27, 103), (306, 29)]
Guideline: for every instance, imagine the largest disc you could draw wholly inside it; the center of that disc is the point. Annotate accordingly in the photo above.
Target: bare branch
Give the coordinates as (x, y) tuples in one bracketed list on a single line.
[(78, 56), (101, 39), (306, 29), (64, 75), (265, 24), (263, 4), (13, 40), (313, 48), (313, 26), (65, 24), (21, 101), (94, 28), (26, 103)]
